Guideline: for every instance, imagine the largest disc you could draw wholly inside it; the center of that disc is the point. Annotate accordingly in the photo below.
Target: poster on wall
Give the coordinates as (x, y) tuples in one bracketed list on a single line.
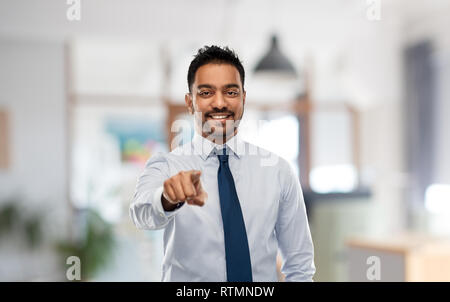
[(138, 138)]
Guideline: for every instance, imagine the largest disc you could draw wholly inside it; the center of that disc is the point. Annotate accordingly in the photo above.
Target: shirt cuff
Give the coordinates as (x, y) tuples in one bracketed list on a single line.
[(157, 202)]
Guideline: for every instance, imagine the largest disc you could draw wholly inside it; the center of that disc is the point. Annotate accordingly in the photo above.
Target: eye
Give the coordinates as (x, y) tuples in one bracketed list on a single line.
[(205, 93), (232, 93)]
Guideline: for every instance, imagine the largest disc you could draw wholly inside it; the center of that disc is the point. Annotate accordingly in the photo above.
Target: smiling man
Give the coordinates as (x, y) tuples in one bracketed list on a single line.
[(225, 213), (220, 100)]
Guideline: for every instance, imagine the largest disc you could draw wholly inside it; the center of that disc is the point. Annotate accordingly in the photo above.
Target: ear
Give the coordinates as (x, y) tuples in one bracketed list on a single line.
[(189, 103)]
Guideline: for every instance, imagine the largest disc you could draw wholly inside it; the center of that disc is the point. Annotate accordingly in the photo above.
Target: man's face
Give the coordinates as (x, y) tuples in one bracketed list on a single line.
[(217, 99)]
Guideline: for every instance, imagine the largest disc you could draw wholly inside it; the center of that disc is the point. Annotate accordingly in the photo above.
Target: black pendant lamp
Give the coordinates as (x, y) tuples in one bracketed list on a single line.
[(275, 62)]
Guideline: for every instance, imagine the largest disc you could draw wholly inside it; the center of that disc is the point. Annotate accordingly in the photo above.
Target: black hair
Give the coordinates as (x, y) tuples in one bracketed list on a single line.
[(214, 54)]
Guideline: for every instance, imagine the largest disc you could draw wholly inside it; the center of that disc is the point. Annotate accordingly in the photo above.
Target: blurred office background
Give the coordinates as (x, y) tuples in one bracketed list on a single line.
[(354, 93)]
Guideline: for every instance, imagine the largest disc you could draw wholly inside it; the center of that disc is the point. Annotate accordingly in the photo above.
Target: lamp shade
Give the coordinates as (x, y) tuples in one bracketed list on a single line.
[(275, 62)]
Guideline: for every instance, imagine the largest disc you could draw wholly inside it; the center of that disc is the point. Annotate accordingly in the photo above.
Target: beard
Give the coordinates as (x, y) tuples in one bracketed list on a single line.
[(219, 131)]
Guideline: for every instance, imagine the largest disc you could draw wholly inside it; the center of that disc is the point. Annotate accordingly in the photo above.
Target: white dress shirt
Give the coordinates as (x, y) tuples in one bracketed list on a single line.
[(272, 206)]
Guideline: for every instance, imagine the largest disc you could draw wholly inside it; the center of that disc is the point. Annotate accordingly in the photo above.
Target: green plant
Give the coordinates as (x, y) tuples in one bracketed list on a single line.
[(29, 226), (95, 246), (8, 215)]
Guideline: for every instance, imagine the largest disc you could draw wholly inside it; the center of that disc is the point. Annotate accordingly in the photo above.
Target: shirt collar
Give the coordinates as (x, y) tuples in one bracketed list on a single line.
[(204, 147)]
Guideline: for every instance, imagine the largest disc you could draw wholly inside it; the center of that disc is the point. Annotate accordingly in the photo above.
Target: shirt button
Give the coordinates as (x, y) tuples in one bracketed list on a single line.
[(161, 214)]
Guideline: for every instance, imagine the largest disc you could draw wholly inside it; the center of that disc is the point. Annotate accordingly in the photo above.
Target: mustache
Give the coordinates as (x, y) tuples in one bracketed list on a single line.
[(225, 110)]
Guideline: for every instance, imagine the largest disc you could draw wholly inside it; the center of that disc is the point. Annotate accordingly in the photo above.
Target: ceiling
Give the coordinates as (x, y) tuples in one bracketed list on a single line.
[(119, 47)]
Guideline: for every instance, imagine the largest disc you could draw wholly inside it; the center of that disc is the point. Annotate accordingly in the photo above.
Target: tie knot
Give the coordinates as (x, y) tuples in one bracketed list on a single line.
[(223, 158), (222, 155)]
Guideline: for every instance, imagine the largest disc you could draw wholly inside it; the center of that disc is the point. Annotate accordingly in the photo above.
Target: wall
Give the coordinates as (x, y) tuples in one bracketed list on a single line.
[(32, 90)]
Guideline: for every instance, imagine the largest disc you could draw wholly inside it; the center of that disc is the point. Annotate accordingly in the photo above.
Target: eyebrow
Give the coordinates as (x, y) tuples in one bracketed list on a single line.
[(232, 86), (213, 87)]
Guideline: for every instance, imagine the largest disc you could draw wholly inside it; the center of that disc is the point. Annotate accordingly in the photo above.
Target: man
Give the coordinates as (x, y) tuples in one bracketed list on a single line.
[(225, 211)]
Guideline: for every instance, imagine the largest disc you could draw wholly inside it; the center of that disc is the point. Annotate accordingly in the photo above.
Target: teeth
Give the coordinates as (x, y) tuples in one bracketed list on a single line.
[(219, 116)]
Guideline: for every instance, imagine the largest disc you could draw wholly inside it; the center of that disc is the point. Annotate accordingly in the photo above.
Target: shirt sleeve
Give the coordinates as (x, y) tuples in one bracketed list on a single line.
[(292, 230), (146, 210)]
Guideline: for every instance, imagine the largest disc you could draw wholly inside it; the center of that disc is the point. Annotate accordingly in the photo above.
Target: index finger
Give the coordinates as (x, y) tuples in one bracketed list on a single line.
[(195, 175)]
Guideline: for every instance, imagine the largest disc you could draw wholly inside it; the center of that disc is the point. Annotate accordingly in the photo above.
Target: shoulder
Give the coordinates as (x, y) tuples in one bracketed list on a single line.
[(167, 157), (179, 157), (156, 159), (266, 158), (181, 152), (184, 149), (274, 166)]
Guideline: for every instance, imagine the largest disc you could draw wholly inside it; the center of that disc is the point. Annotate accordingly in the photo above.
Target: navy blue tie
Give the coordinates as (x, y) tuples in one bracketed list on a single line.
[(239, 268)]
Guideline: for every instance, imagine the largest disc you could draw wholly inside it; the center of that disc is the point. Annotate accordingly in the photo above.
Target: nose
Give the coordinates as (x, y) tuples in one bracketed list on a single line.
[(218, 101)]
